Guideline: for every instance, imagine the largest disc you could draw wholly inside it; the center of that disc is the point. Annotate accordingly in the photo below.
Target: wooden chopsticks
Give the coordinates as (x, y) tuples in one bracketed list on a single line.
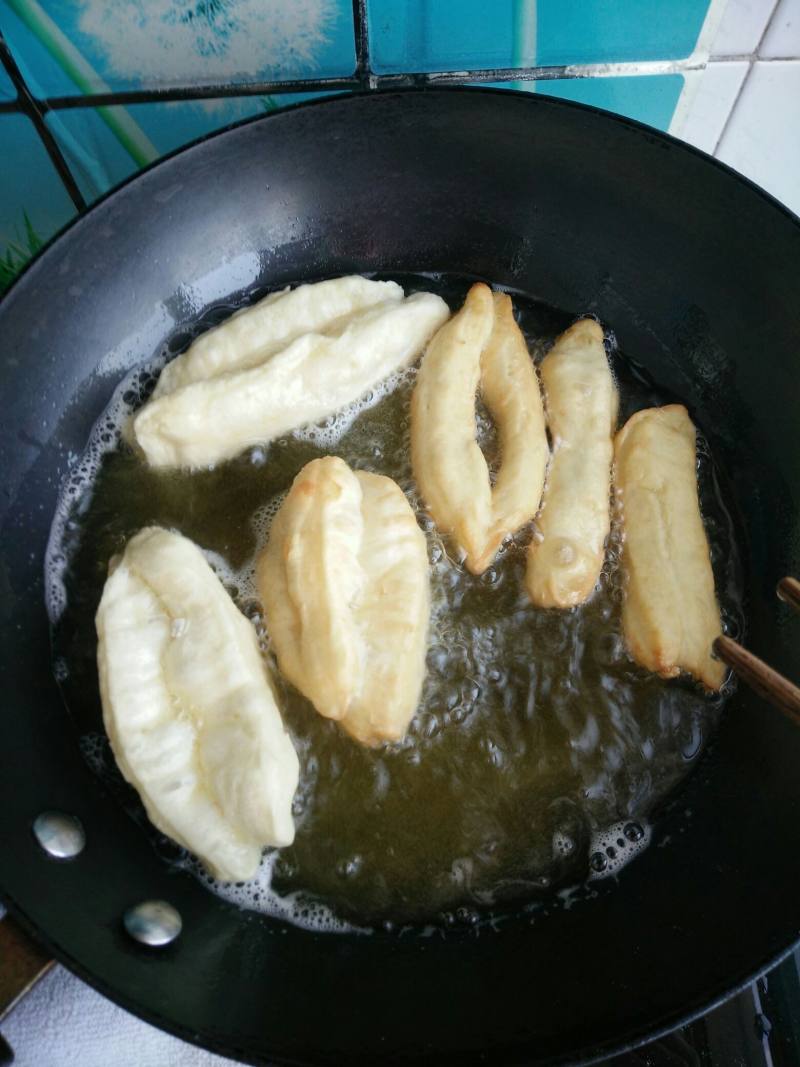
[(788, 589), (761, 678)]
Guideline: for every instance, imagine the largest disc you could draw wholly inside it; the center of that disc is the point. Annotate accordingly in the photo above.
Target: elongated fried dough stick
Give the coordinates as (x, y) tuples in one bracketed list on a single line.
[(252, 334), (671, 617), (449, 467), (510, 391), (393, 613), (581, 402), (345, 587), (310, 577), (189, 706), (481, 345), (212, 419)]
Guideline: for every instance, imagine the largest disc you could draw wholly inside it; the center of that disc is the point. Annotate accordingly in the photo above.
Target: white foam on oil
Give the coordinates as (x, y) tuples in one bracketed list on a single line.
[(327, 433), (238, 581), (257, 894), (615, 846), (77, 487), (93, 748), (563, 845)]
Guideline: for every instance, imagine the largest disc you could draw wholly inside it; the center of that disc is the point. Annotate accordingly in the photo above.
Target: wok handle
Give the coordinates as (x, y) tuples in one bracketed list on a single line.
[(22, 964)]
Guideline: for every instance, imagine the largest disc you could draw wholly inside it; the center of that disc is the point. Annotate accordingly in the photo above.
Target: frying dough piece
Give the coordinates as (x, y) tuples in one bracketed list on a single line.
[(345, 588), (481, 345), (670, 617), (213, 419), (511, 393), (581, 402), (189, 707), (252, 334), (449, 467)]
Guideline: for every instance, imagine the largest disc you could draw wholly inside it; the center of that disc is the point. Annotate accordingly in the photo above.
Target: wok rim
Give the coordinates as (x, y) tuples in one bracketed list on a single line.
[(541, 100), (509, 1053)]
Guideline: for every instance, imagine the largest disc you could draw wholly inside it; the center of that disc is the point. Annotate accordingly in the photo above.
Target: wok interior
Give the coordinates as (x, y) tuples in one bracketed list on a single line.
[(697, 274)]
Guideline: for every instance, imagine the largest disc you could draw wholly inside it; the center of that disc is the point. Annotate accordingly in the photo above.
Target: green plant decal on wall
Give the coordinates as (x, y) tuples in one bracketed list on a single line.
[(18, 252)]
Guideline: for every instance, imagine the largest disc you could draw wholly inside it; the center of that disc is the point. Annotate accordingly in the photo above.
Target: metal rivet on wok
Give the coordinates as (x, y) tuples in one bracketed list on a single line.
[(153, 922), (60, 835)]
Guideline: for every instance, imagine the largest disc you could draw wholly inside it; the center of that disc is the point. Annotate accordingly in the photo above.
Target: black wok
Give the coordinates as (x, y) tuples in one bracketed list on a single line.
[(698, 272)]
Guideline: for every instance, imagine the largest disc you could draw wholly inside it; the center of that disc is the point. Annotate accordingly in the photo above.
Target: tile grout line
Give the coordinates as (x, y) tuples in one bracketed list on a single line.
[(729, 116), (29, 106), (700, 55), (747, 56), (752, 59)]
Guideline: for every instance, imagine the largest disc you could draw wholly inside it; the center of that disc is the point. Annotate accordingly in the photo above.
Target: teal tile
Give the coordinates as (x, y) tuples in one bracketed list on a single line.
[(105, 146), (426, 35), (33, 201), (73, 46), (651, 99), (7, 90), (611, 31)]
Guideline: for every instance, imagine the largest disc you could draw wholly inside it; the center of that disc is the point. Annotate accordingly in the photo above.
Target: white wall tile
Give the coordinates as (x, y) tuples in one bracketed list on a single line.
[(741, 28), (783, 36), (708, 109), (762, 139)]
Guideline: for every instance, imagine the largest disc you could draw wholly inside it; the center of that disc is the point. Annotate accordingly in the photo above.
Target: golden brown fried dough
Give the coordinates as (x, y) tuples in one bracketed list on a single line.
[(480, 346), (510, 391), (564, 563), (671, 617), (345, 587)]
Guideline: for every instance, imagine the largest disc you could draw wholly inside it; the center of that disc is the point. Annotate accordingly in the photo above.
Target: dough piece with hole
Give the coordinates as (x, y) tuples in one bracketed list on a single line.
[(189, 707), (213, 418), (670, 616), (480, 347), (566, 556), (345, 586)]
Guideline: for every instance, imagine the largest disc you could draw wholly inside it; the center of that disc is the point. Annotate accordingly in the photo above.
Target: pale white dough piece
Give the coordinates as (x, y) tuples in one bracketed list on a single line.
[(581, 402), (252, 334), (481, 347), (189, 707), (213, 419), (670, 616), (345, 587)]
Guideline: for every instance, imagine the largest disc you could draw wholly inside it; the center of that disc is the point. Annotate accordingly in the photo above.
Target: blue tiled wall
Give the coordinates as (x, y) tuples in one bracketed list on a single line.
[(610, 31), (33, 203), (428, 35), (134, 44), (6, 86), (74, 47)]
